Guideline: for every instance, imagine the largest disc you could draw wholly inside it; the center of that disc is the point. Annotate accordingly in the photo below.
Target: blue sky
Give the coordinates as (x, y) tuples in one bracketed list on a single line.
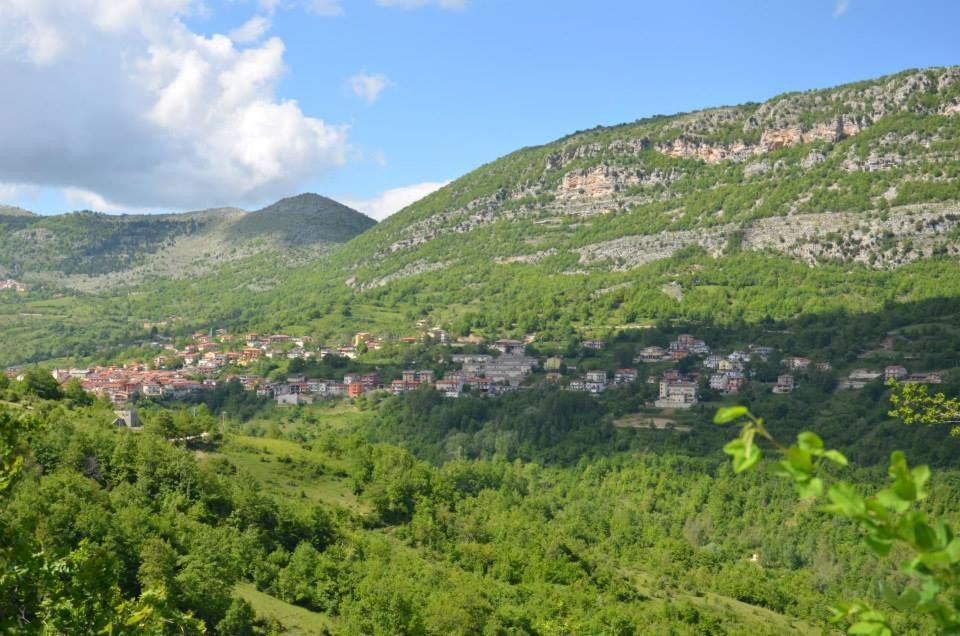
[(452, 84)]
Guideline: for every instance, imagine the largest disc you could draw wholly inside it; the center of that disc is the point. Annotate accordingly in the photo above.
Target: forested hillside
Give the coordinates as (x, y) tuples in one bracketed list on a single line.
[(826, 200), (527, 515)]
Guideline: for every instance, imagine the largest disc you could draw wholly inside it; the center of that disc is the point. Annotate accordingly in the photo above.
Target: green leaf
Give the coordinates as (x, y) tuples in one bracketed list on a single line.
[(750, 458), (905, 488), (810, 489), (921, 474), (836, 457), (931, 559), (906, 601), (800, 460), (734, 447), (781, 469), (898, 463), (138, 617), (810, 442), (953, 549), (878, 546), (868, 627), (846, 499), (892, 500), (728, 414), (924, 535)]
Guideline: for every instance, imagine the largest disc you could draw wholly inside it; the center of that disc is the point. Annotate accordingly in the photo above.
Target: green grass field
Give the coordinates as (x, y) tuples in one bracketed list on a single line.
[(296, 621), (292, 471)]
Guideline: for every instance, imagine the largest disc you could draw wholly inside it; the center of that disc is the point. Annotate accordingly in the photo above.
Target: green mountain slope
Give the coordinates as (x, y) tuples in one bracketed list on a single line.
[(879, 157), (841, 199), (93, 251)]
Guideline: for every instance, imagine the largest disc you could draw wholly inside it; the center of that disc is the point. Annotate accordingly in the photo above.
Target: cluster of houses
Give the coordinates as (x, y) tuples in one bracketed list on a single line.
[(180, 372), (297, 389), (859, 378), (677, 390), (481, 373), (9, 283), (210, 353), (120, 384), (685, 345), (597, 381)]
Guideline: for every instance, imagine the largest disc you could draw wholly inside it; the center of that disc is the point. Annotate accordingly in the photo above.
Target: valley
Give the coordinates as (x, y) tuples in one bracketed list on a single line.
[(558, 395)]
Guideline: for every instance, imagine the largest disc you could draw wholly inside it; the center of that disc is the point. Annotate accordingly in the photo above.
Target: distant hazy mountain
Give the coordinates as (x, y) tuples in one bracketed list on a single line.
[(89, 250)]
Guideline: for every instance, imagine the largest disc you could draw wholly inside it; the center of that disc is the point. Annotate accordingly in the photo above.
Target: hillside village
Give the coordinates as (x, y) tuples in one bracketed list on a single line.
[(15, 285), (679, 375)]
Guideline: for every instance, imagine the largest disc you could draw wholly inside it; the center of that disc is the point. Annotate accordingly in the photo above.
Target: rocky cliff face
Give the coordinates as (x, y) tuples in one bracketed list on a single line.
[(770, 139), (606, 181), (904, 236)]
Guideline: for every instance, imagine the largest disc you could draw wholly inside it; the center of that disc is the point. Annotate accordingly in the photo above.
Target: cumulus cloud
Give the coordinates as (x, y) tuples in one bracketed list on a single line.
[(390, 201), (121, 101), (367, 86), (840, 8), (415, 4), (251, 30)]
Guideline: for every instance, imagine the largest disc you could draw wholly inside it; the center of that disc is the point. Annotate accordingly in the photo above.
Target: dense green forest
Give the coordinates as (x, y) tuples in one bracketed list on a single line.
[(528, 514)]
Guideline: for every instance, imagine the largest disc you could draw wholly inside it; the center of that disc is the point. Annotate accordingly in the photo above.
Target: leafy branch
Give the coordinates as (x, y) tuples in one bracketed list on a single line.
[(913, 404), (888, 518)]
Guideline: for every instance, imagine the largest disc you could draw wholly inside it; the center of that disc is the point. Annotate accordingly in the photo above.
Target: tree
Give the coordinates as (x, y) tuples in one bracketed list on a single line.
[(296, 581), (162, 425), (158, 566), (75, 391), (914, 405), (239, 620), (41, 383)]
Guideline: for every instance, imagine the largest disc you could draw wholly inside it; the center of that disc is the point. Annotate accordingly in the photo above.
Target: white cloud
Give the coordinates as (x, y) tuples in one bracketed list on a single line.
[(86, 200), (415, 4), (840, 8), (327, 8), (251, 31), (120, 100), (10, 191), (390, 201), (367, 86)]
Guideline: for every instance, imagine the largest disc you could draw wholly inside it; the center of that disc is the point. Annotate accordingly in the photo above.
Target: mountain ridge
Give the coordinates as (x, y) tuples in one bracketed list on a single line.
[(87, 250), (597, 173), (829, 200), (851, 193)]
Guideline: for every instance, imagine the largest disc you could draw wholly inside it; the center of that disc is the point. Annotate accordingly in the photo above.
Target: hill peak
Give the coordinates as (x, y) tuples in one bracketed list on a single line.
[(303, 219), (12, 210)]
